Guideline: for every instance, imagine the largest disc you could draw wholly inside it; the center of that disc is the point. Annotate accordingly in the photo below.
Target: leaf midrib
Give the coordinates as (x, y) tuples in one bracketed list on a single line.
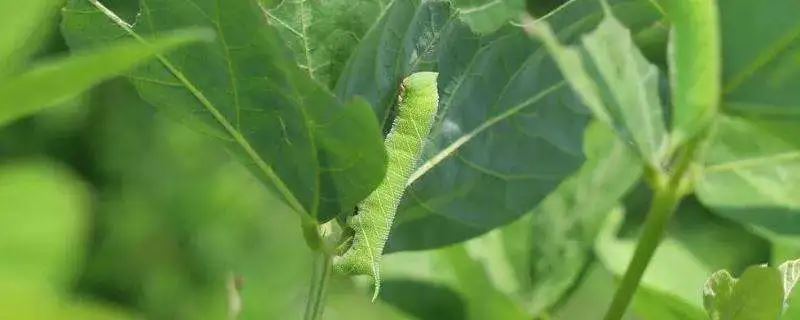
[(209, 106)]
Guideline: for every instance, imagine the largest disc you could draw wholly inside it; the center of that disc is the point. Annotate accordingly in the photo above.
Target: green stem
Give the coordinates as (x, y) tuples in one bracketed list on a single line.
[(664, 203), (320, 275), (669, 189)]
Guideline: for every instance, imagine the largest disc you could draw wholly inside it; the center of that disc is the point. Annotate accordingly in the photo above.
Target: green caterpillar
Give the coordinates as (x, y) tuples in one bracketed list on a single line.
[(417, 104)]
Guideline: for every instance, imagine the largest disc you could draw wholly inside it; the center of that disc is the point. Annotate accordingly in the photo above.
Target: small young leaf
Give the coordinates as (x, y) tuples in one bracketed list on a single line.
[(53, 82), (615, 81), (717, 293), (790, 271)]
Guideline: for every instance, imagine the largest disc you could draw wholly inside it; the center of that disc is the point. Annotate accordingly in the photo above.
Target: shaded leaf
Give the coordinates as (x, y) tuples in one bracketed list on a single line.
[(760, 44), (508, 129), (615, 81), (50, 83), (321, 156)]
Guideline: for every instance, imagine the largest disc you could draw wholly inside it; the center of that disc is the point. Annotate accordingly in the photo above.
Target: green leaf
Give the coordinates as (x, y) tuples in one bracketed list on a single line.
[(696, 244), (23, 24), (508, 129), (486, 16), (757, 295), (790, 272), (564, 226), (615, 81), (323, 34), (50, 83), (749, 175), (695, 65), (718, 293), (760, 44), (43, 212), (321, 156)]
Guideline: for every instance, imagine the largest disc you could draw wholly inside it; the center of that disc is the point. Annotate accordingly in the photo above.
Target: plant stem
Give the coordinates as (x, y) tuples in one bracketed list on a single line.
[(320, 275), (664, 203), (669, 189)]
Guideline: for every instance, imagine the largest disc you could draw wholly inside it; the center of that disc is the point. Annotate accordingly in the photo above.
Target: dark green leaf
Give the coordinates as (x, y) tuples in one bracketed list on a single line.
[(760, 68), (54, 82), (320, 155), (508, 129)]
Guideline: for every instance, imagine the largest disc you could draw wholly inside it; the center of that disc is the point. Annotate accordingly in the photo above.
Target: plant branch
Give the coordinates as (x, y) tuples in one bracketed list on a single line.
[(669, 189), (320, 276)]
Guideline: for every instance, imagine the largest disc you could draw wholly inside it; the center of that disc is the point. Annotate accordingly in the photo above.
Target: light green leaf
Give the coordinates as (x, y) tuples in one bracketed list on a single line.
[(790, 272), (508, 129), (486, 16), (697, 243), (615, 81), (695, 65), (320, 155), (50, 83), (757, 295), (323, 34), (760, 68), (718, 293), (566, 223), (751, 173), (23, 23), (43, 212)]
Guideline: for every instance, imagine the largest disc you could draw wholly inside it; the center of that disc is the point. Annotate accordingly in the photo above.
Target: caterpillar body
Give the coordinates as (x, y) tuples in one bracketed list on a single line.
[(416, 109)]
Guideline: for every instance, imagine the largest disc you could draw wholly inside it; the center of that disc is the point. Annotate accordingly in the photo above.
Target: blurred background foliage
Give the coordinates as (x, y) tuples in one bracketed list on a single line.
[(109, 210)]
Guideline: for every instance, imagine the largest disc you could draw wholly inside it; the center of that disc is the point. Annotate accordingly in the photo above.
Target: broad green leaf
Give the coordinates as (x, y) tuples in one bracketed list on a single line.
[(760, 44), (697, 243), (615, 81), (22, 24), (695, 65), (563, 228), (751, 172), (53, 82), (486, 16), (323, 34), (43, 212), (508, 129), (757, 295), (321, 156)]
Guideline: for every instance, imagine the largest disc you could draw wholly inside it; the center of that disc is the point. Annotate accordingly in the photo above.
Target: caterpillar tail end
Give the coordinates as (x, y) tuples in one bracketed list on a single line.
[(349, 264)]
